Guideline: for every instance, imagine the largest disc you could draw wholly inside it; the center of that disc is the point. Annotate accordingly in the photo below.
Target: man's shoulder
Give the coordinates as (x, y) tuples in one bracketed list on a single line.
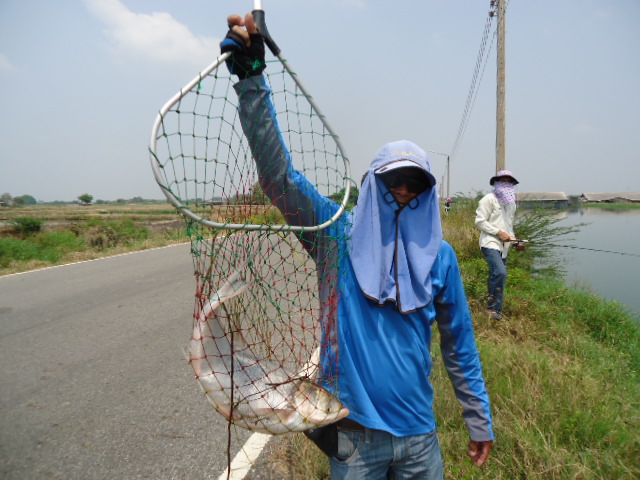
[(489, 201), (489, 197), (446, 251), (446, 268), (445, 246)]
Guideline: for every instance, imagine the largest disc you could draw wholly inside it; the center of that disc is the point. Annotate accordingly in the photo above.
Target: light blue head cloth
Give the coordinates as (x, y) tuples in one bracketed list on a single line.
[(373, 236)]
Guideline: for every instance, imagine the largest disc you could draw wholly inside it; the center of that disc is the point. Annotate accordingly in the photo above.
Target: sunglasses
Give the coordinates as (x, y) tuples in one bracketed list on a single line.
[(415, 183)]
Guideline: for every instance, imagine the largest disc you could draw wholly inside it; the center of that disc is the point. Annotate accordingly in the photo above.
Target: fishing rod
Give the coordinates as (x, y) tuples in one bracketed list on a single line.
[(524, 242)]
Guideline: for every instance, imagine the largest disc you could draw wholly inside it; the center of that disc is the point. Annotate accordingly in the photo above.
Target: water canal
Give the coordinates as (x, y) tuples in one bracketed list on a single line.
[(592, 267)]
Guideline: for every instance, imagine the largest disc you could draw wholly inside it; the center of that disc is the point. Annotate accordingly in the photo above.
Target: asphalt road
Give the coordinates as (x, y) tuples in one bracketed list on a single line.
[(94, 383)]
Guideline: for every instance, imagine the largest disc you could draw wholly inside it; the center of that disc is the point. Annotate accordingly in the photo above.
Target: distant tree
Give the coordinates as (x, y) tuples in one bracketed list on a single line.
[(121, 200), (351, 201), (257, 195), (137, 200), (24, 200), (6, 200), (85, 198)]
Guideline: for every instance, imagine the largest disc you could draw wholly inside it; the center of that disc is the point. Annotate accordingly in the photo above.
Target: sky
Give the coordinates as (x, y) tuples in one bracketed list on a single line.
[(81, 82)]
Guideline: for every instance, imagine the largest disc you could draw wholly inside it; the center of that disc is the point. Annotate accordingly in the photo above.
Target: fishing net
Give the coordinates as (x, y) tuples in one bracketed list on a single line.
[(257, 331)]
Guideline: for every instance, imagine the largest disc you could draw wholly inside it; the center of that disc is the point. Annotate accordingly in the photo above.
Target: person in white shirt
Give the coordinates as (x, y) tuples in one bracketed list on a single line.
[(494, 218)]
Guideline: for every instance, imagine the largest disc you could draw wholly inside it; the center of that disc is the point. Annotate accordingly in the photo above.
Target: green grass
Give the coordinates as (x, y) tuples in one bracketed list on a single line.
[(48, 247), (565, 395)]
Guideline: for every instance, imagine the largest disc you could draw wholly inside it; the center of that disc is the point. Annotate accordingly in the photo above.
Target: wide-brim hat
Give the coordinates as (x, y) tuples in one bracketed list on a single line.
[(503, 173), (404, 163)]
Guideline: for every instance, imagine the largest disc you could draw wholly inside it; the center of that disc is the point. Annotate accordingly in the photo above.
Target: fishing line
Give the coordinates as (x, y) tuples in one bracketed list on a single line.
[(595, 250), (589, 249)]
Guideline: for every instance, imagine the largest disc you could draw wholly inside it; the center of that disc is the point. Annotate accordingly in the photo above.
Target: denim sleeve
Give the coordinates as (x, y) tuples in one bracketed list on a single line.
[(459, 350)]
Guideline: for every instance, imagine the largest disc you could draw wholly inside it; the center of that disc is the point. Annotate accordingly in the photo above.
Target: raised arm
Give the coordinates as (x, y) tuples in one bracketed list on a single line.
[(289, 190)]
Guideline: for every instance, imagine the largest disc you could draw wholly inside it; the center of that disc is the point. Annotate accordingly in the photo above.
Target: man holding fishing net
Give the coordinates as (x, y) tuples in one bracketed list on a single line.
[(385, 276)]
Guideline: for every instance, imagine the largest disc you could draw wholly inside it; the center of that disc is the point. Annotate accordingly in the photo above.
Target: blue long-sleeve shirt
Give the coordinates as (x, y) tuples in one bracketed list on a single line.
[(374, 358)]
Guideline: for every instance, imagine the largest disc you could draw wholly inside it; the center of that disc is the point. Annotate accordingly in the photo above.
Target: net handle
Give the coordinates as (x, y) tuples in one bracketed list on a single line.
[(259, 18)]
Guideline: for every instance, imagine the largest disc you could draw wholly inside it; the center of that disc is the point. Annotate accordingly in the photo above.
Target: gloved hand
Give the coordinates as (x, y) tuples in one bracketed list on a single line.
[(244, 61)]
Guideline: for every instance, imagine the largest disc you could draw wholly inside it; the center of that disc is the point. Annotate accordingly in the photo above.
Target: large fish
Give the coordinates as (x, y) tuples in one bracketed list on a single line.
[(254, 393)]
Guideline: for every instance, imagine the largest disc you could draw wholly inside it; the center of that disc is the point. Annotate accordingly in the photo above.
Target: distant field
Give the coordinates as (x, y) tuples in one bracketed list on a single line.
[(611, 206), (143, 213), (50, 213), (38, 236), (35, 236)]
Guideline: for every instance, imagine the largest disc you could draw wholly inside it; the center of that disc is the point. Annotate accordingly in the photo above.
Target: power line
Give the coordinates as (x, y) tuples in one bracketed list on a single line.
[(477, 75), (475, 95)]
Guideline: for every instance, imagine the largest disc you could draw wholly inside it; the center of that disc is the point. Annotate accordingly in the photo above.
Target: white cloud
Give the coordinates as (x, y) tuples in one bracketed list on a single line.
[(156, 36), (5, 64)]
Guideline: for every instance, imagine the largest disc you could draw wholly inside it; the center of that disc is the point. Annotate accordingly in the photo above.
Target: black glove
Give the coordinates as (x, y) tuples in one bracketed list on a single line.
[(244, 61)]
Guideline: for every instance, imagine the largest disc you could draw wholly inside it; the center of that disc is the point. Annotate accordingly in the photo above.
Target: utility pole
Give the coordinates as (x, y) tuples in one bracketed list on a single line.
[(447, 173), (448, 177), (501, 94)]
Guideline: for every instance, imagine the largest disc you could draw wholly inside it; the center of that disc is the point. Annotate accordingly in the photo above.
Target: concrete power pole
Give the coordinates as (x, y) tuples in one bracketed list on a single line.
[(448, 176), (447, 173), (501, 94)]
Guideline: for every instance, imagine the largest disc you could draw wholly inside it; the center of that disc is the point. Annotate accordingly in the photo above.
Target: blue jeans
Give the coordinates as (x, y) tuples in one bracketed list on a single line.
[(497, 277), (378, 455)]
